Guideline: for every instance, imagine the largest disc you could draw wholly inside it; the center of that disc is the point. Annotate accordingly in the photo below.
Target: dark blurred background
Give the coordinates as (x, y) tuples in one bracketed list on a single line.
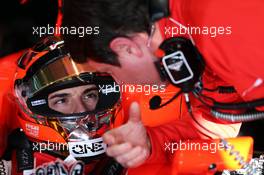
[(17, 17)]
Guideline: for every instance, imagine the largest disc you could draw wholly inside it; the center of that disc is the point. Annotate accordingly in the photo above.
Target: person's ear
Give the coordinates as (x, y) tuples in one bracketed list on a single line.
[(124, 46)]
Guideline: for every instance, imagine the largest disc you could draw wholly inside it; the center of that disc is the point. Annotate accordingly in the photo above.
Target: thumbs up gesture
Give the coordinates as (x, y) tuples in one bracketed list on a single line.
[(129, 144)]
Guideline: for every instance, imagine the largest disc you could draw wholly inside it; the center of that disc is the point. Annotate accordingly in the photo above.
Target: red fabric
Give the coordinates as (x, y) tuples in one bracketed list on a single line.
[(234, 59), (166, 134), (8, 107)]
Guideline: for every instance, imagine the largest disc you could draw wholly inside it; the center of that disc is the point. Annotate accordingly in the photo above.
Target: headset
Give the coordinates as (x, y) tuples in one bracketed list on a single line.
[(183, 66)]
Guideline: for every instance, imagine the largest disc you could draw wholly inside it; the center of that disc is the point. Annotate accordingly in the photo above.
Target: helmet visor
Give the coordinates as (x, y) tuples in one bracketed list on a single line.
[(64, 88)]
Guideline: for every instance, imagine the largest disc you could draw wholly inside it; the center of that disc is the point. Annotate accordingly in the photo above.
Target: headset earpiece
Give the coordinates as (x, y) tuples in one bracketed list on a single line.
[(182, 62)]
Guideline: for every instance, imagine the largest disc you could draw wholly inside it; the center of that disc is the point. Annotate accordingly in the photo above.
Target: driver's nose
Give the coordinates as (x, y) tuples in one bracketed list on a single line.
[(79, 106)]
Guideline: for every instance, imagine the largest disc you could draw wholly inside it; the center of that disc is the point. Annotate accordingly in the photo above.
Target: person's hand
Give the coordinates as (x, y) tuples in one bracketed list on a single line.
[(129, 144)]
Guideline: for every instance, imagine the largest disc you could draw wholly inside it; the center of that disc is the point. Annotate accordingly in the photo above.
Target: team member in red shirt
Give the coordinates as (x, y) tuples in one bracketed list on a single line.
[(225, 35)]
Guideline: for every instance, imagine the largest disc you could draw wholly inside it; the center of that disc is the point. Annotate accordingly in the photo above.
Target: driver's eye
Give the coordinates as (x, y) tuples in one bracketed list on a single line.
[(60, 101), (90, 95)]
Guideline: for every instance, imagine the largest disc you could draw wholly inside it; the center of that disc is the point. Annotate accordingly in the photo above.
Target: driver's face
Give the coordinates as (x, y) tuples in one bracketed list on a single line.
[(74, 100)]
